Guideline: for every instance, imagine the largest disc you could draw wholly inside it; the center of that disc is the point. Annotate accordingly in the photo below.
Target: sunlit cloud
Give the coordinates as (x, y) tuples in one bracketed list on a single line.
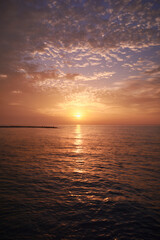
[(16, 92), (3, 76)]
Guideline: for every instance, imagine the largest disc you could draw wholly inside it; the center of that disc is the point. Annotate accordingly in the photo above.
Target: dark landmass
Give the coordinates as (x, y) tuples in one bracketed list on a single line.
[(27, 127)]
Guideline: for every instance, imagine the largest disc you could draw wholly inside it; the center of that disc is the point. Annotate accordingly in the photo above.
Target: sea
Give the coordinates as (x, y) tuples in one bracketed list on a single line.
[(80, 183)]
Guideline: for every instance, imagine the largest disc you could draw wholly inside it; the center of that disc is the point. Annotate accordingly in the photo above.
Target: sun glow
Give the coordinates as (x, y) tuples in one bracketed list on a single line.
[(78, 115)]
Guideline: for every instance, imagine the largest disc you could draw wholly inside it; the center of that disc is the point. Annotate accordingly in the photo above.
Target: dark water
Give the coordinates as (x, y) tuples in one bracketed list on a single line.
[(80, 182)]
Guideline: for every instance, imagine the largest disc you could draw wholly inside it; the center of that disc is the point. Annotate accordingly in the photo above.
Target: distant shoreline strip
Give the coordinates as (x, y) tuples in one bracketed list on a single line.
[(27, 127)]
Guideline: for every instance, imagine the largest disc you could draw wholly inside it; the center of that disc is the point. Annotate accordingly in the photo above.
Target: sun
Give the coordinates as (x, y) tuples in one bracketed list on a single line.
[(78, 115)]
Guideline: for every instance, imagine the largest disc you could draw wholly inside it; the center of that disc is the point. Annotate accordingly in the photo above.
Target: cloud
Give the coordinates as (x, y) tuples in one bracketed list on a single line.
[(64, 81), (94, 77), (154, 70), (36, 29), (56, 51), (142, 95), (16, 92), (3, 76), (71, 76)]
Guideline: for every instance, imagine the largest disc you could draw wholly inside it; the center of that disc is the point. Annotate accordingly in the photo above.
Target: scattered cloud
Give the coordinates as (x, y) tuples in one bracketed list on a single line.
[(154, 70), (3, 76), (16, 92), (92, 53), (46, 29)]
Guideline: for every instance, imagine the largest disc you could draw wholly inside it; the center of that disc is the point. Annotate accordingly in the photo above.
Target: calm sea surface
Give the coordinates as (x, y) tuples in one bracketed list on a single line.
[(80, 182)]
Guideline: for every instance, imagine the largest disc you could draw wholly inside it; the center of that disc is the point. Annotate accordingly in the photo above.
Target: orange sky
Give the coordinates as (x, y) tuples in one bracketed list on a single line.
[(95, 59)]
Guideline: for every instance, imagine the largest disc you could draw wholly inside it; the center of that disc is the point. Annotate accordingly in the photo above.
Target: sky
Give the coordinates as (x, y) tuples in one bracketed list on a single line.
[(79, 62)]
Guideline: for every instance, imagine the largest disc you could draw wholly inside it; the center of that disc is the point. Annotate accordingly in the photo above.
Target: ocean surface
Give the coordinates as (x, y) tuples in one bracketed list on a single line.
[(80, 182)]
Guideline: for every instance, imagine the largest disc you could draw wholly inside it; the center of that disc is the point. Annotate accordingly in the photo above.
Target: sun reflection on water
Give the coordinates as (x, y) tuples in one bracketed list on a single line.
[(78, 142), (78, 139)]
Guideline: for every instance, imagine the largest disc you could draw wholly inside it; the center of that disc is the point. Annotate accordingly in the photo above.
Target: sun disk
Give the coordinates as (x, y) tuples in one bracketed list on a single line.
[(78, 115)]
